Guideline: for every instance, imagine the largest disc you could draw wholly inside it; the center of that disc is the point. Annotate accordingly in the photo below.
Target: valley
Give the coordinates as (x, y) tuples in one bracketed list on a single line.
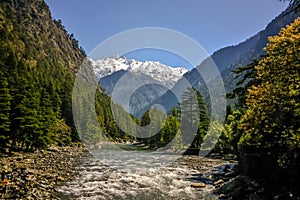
[(119, 128)]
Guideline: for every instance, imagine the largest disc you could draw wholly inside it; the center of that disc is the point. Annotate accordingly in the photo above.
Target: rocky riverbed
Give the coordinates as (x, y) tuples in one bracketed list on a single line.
[(57, 173), (36, 175)]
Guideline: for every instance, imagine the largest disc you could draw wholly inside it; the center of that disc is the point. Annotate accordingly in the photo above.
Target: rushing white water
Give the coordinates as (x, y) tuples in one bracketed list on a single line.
[(112, 174)]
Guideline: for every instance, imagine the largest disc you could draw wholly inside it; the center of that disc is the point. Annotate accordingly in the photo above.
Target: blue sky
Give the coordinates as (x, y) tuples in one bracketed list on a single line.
[(212, 23)]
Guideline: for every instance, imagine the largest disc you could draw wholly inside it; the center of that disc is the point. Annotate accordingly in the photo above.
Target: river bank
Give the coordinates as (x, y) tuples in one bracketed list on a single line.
[(36, 175), (43, 174)]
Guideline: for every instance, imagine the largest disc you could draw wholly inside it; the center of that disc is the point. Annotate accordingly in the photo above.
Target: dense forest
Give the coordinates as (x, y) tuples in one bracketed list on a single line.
[(184, 127), (38, 61)]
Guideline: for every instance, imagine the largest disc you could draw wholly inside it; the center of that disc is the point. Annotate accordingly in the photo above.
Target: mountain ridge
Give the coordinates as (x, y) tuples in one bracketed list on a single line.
[(229, 58), (152, 78), (162, 73), (252, 48)]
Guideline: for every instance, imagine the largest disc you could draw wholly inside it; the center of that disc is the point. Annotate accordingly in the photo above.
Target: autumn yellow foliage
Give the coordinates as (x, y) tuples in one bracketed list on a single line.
[(273, 114)]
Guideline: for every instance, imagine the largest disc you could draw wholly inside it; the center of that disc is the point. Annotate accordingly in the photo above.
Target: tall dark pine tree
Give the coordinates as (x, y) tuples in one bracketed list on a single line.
[(194, 117), (5, 109), (47, 121), (145, 120), (190, 112), (204, 121), (24, 118)]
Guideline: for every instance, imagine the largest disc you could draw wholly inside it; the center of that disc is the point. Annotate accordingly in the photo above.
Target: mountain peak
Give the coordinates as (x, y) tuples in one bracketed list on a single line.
[(167, 75)]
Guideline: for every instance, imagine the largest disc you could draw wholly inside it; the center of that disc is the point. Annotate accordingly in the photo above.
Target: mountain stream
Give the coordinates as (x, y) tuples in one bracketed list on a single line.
[(114, 174)]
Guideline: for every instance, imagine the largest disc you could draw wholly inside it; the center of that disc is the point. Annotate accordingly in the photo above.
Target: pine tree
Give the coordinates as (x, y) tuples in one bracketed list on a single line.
[(24, 117), (204, 121), (194, 117), (47, 120), (5, 109), (190, 114), (245, 77), (145, 120)]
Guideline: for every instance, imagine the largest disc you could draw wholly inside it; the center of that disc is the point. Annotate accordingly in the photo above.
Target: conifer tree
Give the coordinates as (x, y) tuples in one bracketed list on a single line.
[(204, 120), (189, 113), (145, 120), (194, 116), (5, 110)]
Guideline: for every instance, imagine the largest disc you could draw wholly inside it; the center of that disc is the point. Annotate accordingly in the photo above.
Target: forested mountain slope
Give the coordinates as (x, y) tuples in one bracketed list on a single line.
[(38, 61), (231, 57)]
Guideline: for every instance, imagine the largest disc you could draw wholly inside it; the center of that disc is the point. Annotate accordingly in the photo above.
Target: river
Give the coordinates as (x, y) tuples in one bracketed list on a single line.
[(135, 174)]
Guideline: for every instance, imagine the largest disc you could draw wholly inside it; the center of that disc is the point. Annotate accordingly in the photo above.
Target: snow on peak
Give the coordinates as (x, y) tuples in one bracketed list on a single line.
[(160, 72)]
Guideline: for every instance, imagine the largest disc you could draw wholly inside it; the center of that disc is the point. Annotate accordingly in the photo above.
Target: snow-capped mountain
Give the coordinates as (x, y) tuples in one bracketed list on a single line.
[(166, 75), (110, 70)]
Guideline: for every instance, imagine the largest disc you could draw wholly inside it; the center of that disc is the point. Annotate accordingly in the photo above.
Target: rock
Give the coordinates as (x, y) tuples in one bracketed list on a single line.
[(60, 178), (219, 182), (204, 179), (53, 149), (224, 197), (198, 185)]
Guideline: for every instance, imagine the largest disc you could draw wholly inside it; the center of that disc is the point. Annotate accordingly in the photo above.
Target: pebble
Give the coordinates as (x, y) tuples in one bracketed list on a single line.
[(198, 185)]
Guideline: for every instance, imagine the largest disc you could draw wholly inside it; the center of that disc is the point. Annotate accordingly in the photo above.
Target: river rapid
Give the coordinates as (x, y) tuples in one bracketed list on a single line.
[(135, 174)]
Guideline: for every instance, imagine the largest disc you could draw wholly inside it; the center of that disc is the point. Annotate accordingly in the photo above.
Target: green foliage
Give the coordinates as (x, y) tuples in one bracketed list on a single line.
[(153, 123), (270, 126), (267, 97), (177, 127), (245, 77), (273, 106), (230, 133), (211, 138), (194, 117), (5, 109), (189, 114), (145, 120), (204, 121), (169, 128), (171, 132), (62, 133)]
